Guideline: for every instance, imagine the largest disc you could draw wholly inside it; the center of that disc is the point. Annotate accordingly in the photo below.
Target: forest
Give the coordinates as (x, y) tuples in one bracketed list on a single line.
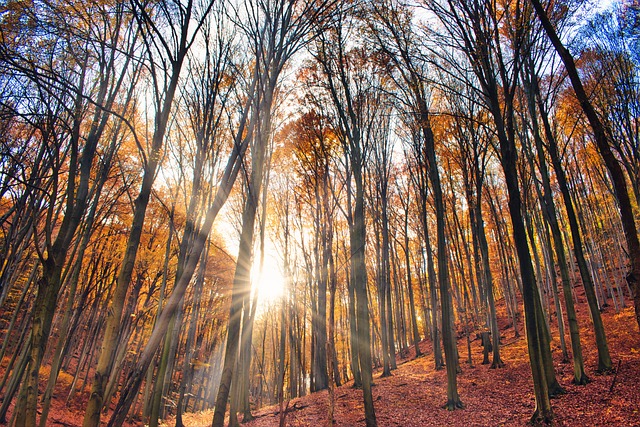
[(319, 212)]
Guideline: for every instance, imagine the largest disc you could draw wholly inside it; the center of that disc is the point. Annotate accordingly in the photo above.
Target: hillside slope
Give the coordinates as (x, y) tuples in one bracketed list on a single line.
[(413, 396)]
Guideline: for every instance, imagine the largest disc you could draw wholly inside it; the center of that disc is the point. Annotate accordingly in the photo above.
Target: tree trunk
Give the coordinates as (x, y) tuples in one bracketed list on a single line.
[(412, 304), (332, 361), (241, 285), (431, 275), (550, 214), (358, 239), (496, 361), (448, 335), (533, 314)]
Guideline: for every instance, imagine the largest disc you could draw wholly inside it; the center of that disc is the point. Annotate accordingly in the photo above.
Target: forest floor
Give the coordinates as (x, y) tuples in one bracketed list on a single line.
[(415, 393)]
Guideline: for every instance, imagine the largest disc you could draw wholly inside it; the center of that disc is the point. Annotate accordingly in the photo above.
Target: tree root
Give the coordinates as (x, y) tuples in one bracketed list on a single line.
[(556, 390), (296, 406), (605, 370), (497, 364), (452, 405), (247, 417), (584, 380), (538, 419)]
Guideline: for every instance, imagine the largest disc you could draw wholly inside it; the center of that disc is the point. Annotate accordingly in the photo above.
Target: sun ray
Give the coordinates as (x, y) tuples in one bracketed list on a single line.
[(269, 283)]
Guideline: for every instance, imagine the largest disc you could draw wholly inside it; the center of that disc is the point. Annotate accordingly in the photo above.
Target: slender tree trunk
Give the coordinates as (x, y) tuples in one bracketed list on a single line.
[(241, 285), (321, 378), (358, 239), (431, 275), (448, 335), (537, 345), (382, 306), (412, 304), (331, 345), (353, 320), (488, 279), (386, 260), (242, 277), (604, 359), (550, 214), (534, 340)]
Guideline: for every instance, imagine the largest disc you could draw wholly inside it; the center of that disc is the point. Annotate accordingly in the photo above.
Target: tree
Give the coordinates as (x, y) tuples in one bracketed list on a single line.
[(207, 96), (471, 134), (413, 77), (550, 215), (165, 60), (474, 28), (610, 65), (77, 90), (613, 166), (276, 30), (348, 87), (314, 149)]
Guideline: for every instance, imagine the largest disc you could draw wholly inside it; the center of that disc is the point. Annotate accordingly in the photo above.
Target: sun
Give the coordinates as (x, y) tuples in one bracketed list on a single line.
[(270, 282)]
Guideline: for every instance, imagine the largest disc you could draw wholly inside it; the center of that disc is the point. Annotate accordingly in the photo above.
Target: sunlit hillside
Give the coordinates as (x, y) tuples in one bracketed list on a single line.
[(319, 212)]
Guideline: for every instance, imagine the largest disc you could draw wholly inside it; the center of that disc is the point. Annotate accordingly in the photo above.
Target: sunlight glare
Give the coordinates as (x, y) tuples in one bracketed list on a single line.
[(269, 283)]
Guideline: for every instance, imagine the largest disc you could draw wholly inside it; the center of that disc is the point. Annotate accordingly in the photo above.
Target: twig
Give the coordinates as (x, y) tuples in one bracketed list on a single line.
[(283, 413), (613, 383)]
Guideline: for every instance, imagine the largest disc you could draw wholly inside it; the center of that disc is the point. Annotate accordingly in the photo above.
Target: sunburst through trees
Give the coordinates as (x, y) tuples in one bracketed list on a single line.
[(222, 205)]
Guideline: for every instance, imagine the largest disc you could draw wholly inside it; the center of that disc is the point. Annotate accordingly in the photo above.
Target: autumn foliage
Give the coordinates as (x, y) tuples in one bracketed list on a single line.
[(319, 212)]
